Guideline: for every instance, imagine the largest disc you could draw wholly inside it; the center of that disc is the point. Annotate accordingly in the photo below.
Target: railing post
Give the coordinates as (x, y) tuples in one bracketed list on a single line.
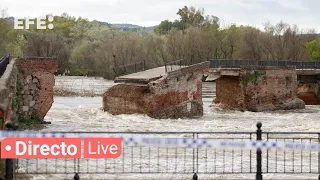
[(195, 176), (195, 157), (76, 177), (144, 65), (9, 162), (165, 67), (319, 158), (259, 159)]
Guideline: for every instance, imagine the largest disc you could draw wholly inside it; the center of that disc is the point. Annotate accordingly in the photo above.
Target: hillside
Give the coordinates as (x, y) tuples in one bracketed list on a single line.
[(127, 27), (124, 27), (133, 27)]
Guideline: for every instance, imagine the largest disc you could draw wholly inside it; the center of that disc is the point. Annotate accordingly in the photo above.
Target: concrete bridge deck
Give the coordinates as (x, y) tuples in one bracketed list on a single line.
[(143, 77)]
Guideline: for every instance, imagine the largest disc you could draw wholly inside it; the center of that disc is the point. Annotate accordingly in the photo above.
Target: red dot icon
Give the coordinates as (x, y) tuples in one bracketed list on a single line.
[(8, 148)]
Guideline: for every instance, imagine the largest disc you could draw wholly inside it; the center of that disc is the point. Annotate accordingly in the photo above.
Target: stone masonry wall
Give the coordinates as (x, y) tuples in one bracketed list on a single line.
[(261, 89), (26, 90), (37, 81), (7, 92), (176, 95)]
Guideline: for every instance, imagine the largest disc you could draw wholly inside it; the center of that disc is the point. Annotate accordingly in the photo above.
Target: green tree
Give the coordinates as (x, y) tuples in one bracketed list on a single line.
[(63, 24), (191, 17), (15, 43), (313, 49), (164, 27), (82, 60), (5, 28)]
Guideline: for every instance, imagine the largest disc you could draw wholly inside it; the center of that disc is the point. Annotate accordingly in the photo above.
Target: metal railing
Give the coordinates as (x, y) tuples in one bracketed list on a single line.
[(175, 65), (130, 68), (4, 61), (156, 160), (235, 64)]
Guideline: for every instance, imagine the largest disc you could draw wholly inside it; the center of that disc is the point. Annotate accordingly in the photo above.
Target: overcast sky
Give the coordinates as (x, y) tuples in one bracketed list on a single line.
[(304, 13)]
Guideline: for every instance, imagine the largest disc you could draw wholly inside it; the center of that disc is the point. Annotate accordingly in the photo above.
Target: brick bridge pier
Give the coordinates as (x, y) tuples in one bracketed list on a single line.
[(265, 85), (173, 91), (26, 89)]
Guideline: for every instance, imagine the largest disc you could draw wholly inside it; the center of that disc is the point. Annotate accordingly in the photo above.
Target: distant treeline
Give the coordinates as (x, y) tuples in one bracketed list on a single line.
[(94, 48)]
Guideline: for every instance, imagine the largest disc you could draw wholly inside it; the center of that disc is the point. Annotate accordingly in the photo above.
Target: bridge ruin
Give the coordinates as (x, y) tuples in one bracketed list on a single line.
[(159, 92), (259, 89), (265, 85), (240, 85), (26, 89)]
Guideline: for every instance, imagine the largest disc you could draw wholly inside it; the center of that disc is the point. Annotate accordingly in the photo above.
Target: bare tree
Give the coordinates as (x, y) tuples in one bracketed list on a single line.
[(252, 47), (48, 45)]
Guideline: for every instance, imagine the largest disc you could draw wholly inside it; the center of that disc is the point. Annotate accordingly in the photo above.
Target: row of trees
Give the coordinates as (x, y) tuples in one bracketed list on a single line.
[(94, 49)]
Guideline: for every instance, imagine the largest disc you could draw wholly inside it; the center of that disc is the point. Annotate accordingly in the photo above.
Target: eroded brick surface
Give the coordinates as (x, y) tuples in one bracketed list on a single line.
[(37, 76), (259, 89), (173, 96), (309, 93), (229, 94)]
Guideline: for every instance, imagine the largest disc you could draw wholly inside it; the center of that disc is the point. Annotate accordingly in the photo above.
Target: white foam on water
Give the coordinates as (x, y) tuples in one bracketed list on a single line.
[(85, 114)]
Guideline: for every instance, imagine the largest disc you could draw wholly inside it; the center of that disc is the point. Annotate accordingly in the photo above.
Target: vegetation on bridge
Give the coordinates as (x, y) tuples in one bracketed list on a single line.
[(252, 76), (23, 122), (94, 48)]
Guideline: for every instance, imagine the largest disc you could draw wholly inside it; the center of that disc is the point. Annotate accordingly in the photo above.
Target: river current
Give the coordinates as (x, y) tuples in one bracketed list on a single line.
[(85, 114)]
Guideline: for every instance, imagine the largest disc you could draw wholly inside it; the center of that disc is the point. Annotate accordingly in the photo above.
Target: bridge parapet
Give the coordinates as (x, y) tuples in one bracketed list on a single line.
[(203, 67), (7, 91)]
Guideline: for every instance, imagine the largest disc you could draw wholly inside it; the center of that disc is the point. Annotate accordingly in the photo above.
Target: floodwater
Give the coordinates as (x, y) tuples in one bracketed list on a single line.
[(85, 114)]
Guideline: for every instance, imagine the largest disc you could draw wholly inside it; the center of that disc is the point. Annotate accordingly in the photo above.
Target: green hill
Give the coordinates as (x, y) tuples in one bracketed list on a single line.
[(133, 27)]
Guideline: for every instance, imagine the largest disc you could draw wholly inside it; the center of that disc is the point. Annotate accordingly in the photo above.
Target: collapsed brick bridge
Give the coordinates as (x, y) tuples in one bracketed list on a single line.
[(161, 92), (26, 89), (241, 85)]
